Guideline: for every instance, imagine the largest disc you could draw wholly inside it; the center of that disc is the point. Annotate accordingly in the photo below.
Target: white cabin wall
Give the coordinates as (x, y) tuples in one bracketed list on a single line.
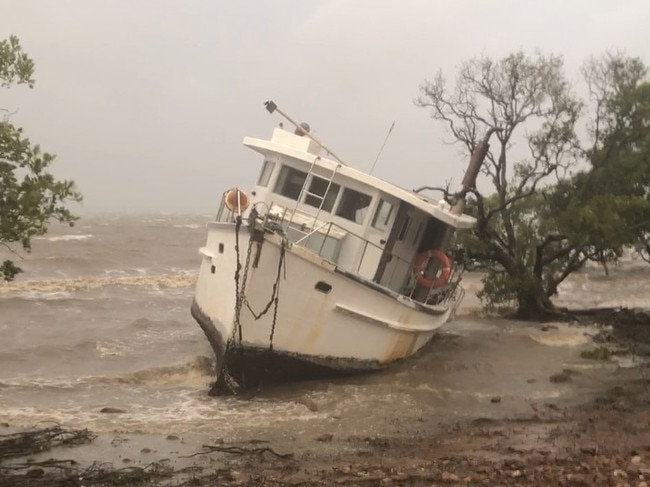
[(353, 253)]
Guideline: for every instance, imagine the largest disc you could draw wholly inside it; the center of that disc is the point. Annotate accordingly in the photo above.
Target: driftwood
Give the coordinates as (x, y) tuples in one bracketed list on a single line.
[(17, 472), (55, 473), (36, 441), (612, 316), (238, 450)]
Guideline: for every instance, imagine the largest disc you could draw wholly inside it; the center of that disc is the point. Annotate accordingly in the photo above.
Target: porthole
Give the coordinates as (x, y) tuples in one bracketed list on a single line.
[(323, 287)]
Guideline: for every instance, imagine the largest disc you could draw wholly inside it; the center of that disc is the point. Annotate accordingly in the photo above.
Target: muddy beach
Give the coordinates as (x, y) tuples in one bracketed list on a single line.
[(604, 442), (491, 402)]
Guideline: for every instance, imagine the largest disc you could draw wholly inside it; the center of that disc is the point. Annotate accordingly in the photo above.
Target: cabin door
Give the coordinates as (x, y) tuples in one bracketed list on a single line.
[(404, 242), (377, 236)]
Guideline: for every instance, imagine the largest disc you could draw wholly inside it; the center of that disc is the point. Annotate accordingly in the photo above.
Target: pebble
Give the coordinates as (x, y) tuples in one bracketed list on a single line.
[(35, 472), (561, 377), (576, 479), (589, 449), (112, 410), (450, 477), (308, 403)]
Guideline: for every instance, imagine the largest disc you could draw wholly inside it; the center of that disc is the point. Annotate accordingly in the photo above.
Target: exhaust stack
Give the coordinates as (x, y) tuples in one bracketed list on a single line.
[(469, 180)]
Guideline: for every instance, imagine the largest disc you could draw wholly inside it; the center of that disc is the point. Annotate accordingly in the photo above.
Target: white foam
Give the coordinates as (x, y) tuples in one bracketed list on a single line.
[(48, 287), (64, 238), (563, 335), (112, 349), (192, 226), (182, 411)]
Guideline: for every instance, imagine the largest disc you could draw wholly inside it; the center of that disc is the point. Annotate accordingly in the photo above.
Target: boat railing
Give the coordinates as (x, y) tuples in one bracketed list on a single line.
[(326, 239), (315, 230)]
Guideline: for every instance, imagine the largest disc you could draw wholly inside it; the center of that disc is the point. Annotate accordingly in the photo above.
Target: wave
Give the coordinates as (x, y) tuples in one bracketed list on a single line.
[(53, 349), (64, 238), (141, 271), (194, 372), (50, 287), (192, 226)]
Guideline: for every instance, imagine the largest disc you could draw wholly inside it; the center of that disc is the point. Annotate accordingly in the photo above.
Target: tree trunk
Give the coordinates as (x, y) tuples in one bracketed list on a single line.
[(533, 303)]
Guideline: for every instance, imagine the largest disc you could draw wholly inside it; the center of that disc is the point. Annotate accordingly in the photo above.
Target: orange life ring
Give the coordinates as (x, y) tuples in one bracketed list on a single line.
[(420, 264), (236, 200)]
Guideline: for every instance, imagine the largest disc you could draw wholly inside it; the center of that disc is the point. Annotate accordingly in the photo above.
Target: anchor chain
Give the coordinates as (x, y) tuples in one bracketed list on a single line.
[(276, 292), (241, 278), (224, 378)]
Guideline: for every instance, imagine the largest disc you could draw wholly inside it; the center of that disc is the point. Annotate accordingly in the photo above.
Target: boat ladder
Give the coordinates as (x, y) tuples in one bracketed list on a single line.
[(320, 198)]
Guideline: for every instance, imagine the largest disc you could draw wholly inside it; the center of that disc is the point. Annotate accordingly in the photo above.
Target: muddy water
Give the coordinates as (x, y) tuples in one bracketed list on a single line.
[(101, 319)]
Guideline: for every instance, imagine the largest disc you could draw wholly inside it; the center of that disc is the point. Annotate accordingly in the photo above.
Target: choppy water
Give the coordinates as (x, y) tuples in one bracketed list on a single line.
[(100, 318)]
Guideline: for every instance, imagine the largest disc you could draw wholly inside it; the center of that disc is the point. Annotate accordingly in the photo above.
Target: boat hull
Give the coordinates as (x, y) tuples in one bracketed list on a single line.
[(323, 315)]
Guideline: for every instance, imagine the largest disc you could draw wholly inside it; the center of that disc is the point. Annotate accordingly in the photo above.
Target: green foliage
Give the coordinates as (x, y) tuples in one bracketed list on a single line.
[(8, 270), (15, 66), (30, 196), (608, 206), (545, 218)]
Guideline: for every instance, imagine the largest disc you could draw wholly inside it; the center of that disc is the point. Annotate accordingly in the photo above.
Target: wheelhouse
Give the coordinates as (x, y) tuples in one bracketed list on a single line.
[(370, 229)]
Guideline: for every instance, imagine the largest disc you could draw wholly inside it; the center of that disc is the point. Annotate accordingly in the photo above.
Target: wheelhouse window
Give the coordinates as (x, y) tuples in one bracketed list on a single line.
[(318, 188), (353, 205), (290, 182), (383, 215), (265, 175)]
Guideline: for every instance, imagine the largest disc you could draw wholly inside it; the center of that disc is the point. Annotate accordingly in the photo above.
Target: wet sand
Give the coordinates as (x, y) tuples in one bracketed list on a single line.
[(596, 431), (605, 441)]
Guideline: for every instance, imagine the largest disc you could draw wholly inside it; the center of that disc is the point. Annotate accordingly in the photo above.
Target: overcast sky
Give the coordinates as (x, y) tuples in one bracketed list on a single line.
[(146, 103)]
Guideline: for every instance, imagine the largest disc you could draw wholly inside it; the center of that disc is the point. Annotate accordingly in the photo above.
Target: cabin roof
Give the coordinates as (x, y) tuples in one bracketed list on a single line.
[(300, 148)]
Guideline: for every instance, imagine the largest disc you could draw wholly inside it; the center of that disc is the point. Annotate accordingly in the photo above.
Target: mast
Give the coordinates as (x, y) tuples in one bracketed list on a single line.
[(272, 107)]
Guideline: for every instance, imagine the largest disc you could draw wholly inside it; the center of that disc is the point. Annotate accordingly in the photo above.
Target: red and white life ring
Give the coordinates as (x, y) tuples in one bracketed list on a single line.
[(419, 266)]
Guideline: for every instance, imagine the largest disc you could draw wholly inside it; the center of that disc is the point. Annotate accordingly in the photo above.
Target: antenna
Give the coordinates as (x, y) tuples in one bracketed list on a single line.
[(382, 147)]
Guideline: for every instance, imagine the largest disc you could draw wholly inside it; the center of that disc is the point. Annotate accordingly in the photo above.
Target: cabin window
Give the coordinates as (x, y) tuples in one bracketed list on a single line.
[(317, 188), (353, 205), (382, 215), (290, 182), (265, 175)]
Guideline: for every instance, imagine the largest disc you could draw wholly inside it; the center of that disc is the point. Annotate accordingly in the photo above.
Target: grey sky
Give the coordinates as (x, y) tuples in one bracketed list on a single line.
[(145, 103)]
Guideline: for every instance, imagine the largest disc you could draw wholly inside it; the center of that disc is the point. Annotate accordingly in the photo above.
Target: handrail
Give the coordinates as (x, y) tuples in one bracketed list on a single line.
[(440, 295), (314, 230)]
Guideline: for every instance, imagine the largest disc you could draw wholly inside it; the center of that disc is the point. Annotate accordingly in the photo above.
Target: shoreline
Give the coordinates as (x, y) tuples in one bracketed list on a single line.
[(605, 441), (598, 437)]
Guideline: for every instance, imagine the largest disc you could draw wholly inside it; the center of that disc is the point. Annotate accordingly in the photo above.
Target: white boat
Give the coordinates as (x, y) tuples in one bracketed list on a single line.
[(324, 264)]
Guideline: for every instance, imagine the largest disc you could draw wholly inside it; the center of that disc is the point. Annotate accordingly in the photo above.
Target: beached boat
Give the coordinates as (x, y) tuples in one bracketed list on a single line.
[(324, 264)]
